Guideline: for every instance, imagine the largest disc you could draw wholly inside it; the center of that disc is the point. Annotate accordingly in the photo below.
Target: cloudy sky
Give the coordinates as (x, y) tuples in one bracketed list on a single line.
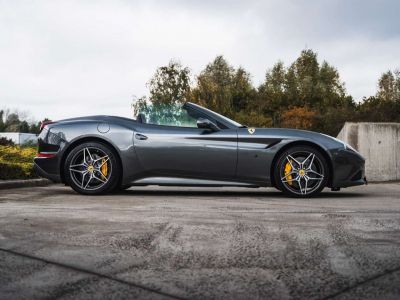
[(61, 59)]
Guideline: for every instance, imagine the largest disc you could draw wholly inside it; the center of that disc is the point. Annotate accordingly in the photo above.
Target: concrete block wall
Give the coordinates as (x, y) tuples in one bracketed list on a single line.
[(379, 143)]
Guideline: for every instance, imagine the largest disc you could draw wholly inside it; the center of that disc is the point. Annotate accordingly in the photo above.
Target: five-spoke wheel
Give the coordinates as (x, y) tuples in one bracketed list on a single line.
[(301, 171), (92, 168)]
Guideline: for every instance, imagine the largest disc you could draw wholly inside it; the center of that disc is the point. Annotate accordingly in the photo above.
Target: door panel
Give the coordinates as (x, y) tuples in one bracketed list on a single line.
[(187, 152)]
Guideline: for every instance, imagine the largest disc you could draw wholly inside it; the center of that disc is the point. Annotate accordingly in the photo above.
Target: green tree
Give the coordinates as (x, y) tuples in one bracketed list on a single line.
[(389, 86), (223, 88), (35, 127), (215, 87), (24, 127), (272, 94), (302, 79), (305, 84), (12, 122), (385, 105), (330, 89), (306, 94), (243, 92), (170, 84)]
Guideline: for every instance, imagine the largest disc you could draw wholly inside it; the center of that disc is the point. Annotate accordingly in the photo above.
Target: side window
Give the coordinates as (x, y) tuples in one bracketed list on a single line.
[(171, 116)]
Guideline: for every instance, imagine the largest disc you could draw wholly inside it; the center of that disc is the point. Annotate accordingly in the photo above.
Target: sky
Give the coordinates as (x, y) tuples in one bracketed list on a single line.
[(61, 59)]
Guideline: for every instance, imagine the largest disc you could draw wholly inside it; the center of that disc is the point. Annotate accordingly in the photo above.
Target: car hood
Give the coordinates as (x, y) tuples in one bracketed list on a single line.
[(324, 140)]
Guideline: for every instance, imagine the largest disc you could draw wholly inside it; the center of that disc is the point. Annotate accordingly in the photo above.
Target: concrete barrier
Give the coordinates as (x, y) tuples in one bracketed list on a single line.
[(20, 138), (379, 143)]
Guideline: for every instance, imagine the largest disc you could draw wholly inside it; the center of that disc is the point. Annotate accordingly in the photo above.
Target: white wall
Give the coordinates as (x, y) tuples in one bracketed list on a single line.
[(19, 138), (379, 143)]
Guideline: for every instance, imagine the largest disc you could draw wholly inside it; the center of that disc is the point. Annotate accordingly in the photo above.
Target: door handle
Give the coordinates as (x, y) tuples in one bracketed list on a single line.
[(141, 137)]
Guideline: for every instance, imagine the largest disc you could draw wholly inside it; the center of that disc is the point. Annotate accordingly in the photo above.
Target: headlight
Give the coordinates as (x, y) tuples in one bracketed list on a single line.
[(347, 146)]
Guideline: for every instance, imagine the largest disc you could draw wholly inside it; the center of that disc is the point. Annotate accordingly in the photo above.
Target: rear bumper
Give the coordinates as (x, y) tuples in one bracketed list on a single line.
[(47, 168)]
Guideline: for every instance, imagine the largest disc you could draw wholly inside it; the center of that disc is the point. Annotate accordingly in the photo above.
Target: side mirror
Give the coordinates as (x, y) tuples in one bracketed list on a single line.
[(203, 123)]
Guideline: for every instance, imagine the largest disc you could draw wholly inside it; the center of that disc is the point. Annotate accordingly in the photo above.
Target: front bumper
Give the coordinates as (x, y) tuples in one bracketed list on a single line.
[(348, 169)]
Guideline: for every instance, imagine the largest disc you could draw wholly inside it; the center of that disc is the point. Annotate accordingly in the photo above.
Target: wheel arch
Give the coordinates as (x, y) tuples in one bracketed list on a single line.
[(87, 139), (302, 143)]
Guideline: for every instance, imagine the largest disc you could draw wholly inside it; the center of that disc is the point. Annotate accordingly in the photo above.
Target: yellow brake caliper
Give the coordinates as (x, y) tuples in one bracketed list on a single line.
[(104, 167), (288, 169)]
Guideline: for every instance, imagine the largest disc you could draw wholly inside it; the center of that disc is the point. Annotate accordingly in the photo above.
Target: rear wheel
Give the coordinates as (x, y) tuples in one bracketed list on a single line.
[(301, 171), (92, 168)]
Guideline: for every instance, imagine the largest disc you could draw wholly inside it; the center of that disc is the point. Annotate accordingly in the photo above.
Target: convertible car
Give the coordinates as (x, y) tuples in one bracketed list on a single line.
[(190, 145)]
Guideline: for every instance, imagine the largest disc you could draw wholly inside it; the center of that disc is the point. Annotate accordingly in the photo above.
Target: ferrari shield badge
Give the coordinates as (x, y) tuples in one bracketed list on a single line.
[(251, 130)]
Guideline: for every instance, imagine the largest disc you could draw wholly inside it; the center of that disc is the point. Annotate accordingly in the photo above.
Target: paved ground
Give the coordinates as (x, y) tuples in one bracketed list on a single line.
[(157, 243)]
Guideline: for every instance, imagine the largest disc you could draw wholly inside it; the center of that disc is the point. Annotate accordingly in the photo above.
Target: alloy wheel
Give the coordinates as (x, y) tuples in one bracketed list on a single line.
[(302, 172), (90, 168)]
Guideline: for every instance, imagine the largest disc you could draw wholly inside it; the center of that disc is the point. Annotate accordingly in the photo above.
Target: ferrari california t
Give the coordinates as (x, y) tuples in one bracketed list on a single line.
[(190, 145)]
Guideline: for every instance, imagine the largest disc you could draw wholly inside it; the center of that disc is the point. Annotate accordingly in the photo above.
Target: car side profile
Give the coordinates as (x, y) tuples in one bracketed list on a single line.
[(190, 145)]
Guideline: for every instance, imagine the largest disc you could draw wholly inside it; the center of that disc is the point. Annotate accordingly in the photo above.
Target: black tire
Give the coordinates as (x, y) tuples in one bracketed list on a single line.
[(85, 172), (301, 171)]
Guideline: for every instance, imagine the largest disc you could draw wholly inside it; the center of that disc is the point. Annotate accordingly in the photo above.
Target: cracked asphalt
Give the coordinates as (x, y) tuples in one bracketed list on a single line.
[(196, 243)]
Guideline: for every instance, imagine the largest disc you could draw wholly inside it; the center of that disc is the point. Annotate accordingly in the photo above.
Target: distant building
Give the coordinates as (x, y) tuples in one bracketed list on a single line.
[(20, 138)]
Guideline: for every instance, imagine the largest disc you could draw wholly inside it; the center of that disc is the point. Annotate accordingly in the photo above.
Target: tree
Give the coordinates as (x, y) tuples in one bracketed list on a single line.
[(243, 92), (223, 88), (2, 125), (12, 122), (389, 86), (307, 94), (215, 87), (140, 105), (330, 88), (35, 127), (16, 122), (253, 118), (385, 105), (272, 94), (306, 70), (170, 84), (24, 127), (305, 83)]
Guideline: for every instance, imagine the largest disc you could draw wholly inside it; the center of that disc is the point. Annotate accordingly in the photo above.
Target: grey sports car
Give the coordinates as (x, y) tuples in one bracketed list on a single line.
[(192, 146)]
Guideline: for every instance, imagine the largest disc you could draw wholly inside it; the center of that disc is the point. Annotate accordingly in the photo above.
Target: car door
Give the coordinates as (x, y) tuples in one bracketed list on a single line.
[(187, 151)]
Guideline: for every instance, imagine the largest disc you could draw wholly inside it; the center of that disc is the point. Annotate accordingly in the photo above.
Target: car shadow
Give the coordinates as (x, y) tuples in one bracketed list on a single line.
[(240, 193), (207, 192)]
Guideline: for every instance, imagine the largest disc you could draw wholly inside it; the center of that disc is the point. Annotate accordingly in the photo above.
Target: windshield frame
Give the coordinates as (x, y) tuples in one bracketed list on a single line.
[(212, 114)]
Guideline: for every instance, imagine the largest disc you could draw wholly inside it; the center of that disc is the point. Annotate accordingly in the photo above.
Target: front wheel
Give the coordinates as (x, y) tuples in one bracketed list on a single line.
[(92, 168), (301, 171)]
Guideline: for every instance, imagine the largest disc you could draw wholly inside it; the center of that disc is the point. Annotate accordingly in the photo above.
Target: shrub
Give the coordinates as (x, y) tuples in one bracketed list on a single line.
[(16, 170), (17, 154), (6, 142), (16, 162)]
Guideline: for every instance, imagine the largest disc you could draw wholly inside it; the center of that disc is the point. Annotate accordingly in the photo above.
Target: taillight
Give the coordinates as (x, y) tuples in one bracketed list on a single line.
[(46, 154), (44, 123)]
